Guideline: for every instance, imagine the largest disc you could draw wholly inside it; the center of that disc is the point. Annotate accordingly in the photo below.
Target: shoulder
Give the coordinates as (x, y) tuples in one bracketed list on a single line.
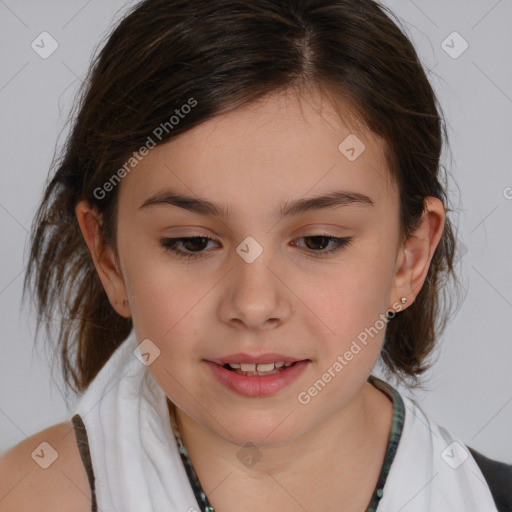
[(499, 478), (45, 472)]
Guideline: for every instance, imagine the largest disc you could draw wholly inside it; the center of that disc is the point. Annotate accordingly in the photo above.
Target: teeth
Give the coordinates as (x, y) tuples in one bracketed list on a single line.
[(261, 368), (265, 367), (260, 374)]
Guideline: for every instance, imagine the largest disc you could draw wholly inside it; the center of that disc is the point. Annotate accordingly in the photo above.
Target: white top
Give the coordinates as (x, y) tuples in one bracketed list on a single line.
[(137, 465)]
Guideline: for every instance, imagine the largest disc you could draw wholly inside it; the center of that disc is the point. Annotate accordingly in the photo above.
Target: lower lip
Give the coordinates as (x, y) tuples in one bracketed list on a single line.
[(255, 385)]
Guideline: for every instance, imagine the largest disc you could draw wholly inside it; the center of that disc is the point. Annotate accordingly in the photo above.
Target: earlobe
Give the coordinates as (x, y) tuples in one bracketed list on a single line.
[(104, 258), (417, 251)]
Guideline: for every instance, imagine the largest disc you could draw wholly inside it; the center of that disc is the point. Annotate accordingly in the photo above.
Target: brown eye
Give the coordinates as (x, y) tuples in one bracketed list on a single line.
[(317, 244), (194, 246)]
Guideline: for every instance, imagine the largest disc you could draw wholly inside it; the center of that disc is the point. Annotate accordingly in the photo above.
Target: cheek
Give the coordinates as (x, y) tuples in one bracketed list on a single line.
[(349, 306), (353, 295), (160, 292), (167, 309), (163, 303)]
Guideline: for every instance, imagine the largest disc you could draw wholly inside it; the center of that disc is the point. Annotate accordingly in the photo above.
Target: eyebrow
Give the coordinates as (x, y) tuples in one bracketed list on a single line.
[(289, 208)]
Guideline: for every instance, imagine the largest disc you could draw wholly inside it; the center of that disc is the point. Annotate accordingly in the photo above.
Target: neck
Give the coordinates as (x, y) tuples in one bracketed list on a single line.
[(347, 443)]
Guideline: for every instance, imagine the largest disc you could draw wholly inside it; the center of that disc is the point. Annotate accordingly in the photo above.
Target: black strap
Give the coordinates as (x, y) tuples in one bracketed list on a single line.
[(83, 447), (499, 479)]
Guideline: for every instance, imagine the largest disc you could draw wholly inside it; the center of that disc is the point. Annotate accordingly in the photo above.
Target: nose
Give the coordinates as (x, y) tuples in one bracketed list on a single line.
[(255, 296)]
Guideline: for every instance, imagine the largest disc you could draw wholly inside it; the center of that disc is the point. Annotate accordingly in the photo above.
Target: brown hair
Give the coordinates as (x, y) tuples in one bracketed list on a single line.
[(225, 54)]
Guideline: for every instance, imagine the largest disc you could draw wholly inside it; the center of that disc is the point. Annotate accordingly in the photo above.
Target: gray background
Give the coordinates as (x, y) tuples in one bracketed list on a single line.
[(469, 390)]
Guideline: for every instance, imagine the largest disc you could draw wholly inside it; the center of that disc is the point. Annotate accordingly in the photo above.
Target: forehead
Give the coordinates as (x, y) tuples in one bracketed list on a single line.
[(282, 147)]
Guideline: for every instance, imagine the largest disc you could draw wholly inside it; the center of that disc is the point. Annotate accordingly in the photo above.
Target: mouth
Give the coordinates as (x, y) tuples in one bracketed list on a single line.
[(257, 376), (261, 369), (257, 365)]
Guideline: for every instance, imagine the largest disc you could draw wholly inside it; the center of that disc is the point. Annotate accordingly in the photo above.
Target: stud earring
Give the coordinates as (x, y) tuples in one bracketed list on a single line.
[(403, 300)]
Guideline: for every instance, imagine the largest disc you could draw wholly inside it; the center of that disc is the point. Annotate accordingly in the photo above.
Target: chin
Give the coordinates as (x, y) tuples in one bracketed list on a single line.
[(264, 433)]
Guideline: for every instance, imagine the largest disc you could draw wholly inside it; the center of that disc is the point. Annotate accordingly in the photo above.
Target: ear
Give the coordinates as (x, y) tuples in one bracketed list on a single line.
[(103, 257), (416, 253)]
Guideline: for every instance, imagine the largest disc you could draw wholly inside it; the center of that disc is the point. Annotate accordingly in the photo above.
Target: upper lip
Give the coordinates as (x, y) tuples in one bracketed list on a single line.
[(255, 359)]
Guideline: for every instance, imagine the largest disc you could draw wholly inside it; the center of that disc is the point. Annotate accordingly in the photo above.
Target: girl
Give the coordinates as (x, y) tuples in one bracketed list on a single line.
[(248, 213)]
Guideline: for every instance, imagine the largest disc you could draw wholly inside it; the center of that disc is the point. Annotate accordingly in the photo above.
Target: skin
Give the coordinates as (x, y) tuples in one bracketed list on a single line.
[(24, 485), (289, 300)]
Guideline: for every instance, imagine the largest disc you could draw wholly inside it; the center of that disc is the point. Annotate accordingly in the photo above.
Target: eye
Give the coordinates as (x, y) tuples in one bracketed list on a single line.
[(323, 240), (195, 246)]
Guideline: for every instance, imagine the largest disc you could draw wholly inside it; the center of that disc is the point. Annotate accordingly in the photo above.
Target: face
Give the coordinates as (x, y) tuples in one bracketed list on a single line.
[(301, 287)]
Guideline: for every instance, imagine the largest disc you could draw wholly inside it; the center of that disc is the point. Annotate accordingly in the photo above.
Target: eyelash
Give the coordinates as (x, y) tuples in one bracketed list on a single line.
[(169, 245)]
